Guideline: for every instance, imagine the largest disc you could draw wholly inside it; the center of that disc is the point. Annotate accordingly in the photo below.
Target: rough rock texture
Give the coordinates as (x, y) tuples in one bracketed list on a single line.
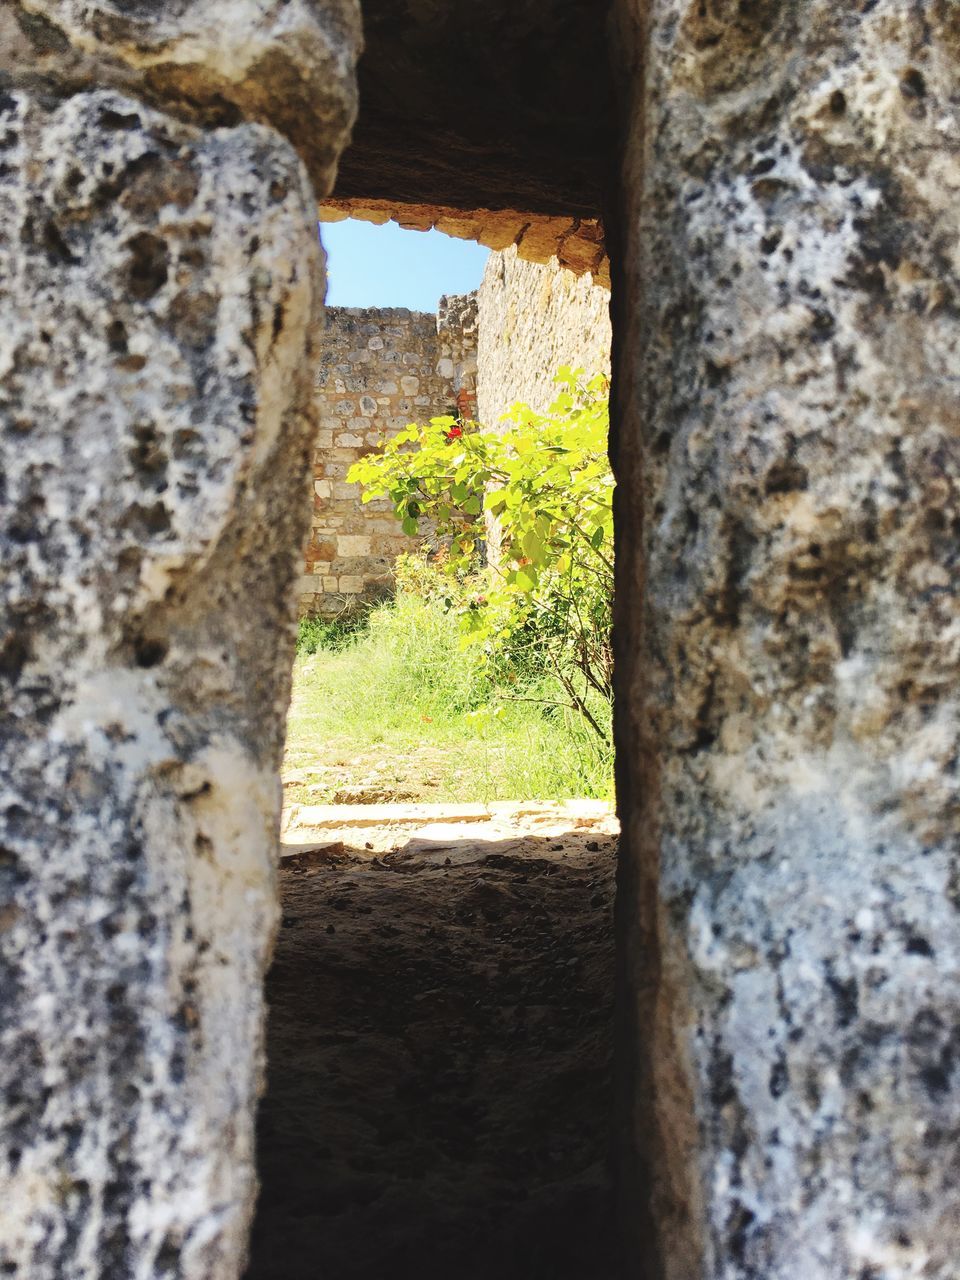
[(788, 347), (379, 369), (286, 62), (577, 243), (157, 286), (503, 105), (531, 320)]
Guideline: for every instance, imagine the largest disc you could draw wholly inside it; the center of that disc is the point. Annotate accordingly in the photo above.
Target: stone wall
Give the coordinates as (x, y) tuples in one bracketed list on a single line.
[(379, 370), (788, 640), (533, 318)]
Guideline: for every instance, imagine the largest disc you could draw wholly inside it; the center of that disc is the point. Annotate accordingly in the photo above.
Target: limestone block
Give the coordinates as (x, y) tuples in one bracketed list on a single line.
[(351, 585), (353, 545), (289, 63), (157, 289), (346, 440), (322, 550), (578, 241), (788, 468)]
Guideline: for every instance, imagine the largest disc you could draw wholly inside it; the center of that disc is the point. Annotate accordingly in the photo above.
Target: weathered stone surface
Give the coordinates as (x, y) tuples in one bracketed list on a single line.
[(157, 286), (289, 63), (532, 319), (379, 369), (789, 638)]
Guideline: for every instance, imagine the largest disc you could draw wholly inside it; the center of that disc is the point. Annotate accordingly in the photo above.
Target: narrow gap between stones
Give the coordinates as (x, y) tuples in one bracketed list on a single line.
[(439, 1040)]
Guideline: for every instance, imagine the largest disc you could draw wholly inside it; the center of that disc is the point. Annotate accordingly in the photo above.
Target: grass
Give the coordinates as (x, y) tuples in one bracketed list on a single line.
[(394, 709)]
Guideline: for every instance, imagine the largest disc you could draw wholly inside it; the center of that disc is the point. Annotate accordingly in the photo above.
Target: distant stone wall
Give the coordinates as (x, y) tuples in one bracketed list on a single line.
[(532, 319), (379, 370), (383, 368), (457, 344)]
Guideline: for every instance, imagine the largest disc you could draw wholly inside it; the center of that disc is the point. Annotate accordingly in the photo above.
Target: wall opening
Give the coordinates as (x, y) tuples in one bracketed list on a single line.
[(440, 1037)]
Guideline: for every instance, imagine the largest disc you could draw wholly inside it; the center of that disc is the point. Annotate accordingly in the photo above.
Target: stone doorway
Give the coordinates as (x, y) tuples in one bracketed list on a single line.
[(782, 227), (439, 1043)]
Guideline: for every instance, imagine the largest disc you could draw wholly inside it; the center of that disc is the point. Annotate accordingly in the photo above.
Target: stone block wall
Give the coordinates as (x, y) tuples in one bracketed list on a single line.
[(531, 319), (379, 370)]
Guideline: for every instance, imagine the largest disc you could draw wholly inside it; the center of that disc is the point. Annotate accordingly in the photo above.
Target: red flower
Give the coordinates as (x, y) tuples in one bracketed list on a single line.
[(455, 433)]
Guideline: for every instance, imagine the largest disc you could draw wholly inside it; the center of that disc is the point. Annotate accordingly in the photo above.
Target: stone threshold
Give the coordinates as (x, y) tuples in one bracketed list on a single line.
[(323, 817)]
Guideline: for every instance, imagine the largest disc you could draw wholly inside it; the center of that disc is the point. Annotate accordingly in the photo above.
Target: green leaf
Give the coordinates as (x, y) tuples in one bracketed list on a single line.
[(532, 546)]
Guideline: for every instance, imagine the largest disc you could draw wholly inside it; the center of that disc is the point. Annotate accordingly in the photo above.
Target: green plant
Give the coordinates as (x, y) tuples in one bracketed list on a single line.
[(403, 702), (539, 498), (333, 634)]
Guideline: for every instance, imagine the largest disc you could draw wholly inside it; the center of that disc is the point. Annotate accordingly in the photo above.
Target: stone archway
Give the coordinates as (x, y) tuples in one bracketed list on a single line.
[(784, 282)]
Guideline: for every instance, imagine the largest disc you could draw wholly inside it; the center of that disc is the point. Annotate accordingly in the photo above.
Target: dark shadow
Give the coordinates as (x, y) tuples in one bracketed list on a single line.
[(439, 1047)]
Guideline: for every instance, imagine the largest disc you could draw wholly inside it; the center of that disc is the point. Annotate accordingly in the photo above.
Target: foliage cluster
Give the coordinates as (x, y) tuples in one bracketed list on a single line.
[(526, 516), (331, 634)]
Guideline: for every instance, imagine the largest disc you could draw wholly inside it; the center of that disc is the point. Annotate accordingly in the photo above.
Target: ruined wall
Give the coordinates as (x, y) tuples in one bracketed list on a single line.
[(532, 319), (379, 369)]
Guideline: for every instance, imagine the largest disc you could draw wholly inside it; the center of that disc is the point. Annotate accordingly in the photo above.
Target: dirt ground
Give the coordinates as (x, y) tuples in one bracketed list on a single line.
[(439, 1053)]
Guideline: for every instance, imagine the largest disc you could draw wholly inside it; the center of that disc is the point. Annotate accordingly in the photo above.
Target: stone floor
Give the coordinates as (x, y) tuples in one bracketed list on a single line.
[(440, 1041)]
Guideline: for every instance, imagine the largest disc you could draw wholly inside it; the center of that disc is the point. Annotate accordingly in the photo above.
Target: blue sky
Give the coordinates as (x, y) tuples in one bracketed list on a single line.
[(371, 266)]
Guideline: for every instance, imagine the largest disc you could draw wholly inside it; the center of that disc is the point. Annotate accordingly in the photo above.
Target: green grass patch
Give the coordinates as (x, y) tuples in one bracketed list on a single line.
[(392, 707)]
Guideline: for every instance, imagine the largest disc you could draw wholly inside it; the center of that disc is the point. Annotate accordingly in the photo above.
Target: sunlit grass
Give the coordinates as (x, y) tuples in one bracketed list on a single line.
[(398, 709)]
